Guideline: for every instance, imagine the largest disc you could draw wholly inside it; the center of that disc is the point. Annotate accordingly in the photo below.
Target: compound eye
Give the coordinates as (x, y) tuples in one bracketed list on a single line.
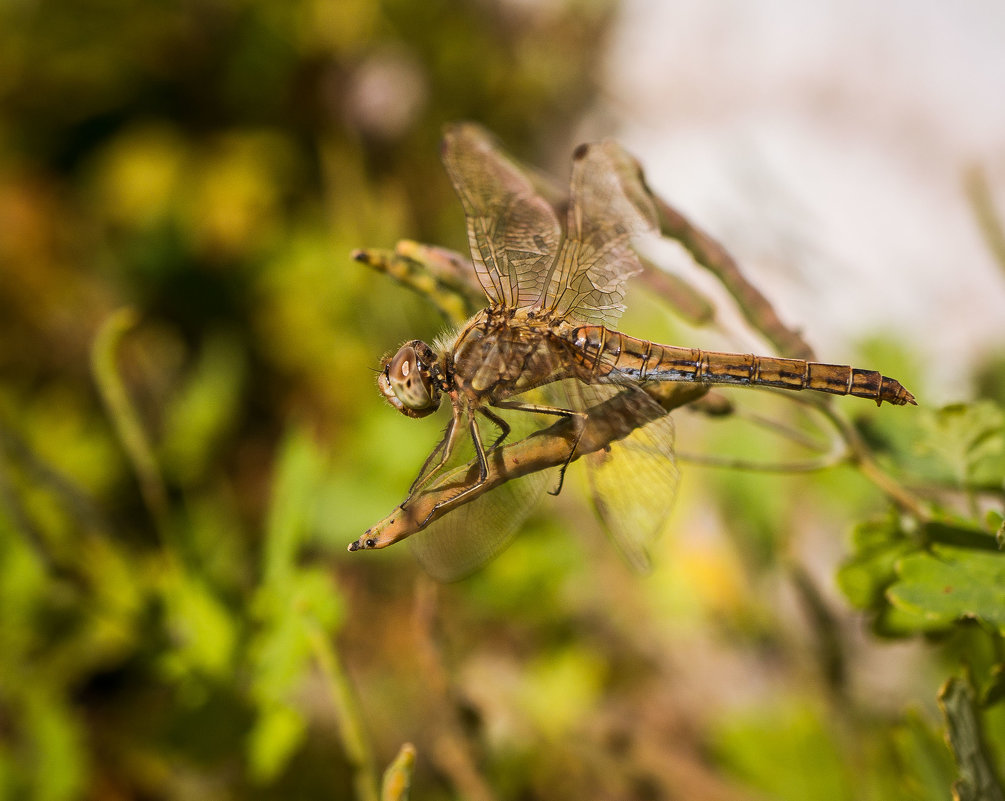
[(409, 380)]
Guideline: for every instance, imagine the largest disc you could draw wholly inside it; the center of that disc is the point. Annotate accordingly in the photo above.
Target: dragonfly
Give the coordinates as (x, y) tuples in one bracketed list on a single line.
[(546, 346)]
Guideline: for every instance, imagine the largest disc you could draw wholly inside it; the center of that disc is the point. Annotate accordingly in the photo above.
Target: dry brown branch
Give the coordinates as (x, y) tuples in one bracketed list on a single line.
[(449, 747), (443, 276), (611, 421), (449, 280), (711, 255)]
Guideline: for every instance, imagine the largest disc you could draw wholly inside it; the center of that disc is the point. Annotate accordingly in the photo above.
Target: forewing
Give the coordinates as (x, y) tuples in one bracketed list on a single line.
[(609, 206), (513, 232)]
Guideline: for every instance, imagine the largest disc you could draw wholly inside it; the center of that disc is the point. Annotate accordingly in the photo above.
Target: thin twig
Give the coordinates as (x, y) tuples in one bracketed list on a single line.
[(711, 255), (730, 463), (451, 750), (609, 422), (125, 419), (348, 715), (687, 302), (861, 457), (442, 276)]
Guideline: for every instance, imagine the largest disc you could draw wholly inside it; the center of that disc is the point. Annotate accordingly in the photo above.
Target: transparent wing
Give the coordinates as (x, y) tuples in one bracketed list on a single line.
[(634, 486), (609, 205), (459, 543), (476, 532), (633, 482), (513, 232)]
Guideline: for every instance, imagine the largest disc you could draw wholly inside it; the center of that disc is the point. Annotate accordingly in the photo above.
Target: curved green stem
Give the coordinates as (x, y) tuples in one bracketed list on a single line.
[(123, 415)]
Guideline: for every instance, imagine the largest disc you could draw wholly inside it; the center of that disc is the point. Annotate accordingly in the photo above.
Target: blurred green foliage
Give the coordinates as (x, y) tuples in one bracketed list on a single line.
[(180, 186)]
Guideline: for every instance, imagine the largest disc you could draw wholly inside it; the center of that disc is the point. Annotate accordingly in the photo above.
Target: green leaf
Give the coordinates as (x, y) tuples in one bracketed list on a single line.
[(289, 606), (878, 545), (946, 584), (202, 628), (277, 733), (787, 752), (204, 409), (977, 778), (994, 691), (294, 488), (58, 764), (925, 765), (969, 439)]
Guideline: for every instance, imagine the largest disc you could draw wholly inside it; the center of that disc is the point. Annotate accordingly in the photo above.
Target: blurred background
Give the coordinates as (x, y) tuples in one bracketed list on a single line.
[(178, 615)]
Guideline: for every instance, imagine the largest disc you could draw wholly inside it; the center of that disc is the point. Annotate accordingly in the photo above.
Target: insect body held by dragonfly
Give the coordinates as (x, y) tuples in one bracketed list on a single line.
[(546, 344)]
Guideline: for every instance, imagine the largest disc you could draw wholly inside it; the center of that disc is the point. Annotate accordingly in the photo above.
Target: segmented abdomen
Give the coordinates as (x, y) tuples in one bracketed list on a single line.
[(609, 351)]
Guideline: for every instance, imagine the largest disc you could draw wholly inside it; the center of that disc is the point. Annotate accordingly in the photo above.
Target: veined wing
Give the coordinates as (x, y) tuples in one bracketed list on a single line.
[(513, 232), (609, 205), (476, 532), (633, 482), (473, 534)]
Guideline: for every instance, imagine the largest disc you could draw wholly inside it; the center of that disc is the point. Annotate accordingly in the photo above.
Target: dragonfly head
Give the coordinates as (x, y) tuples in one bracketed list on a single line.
[(407, 382)]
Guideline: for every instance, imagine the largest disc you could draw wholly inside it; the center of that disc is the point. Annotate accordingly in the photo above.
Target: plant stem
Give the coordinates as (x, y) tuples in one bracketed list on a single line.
[(347, 712)]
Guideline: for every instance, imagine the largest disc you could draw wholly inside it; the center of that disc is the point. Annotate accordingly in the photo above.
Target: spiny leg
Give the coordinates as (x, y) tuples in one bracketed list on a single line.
[(446, 445), (445, 448), (501, 424), (483, 470), (538, 408)]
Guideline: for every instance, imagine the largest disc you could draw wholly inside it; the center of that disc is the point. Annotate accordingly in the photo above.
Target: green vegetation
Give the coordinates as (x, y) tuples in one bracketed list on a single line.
[(190, 436)]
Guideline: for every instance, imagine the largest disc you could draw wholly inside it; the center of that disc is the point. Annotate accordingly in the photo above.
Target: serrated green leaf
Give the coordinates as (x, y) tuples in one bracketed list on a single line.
[(968, 438), (878, 545), (876, 533), (864, 578), (947, 584), (896, 622)]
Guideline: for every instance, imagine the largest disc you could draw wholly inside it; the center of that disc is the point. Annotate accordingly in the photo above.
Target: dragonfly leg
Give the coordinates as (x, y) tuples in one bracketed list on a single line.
[(558, 411), (483, 471), (444, 449), (501, 424)]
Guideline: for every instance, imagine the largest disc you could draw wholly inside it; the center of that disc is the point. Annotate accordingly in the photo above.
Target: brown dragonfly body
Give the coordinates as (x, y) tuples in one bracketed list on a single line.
[(554, 296), (500, 355)]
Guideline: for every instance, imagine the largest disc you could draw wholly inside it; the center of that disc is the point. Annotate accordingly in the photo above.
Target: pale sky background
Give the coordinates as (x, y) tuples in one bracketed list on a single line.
[(826, 144)]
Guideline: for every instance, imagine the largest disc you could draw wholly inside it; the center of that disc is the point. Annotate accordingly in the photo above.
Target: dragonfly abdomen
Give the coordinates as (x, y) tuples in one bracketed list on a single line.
[(640, 360)]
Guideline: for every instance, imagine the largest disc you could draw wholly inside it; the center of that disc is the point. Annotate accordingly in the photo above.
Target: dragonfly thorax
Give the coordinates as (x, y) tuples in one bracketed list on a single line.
[(408, 382)]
